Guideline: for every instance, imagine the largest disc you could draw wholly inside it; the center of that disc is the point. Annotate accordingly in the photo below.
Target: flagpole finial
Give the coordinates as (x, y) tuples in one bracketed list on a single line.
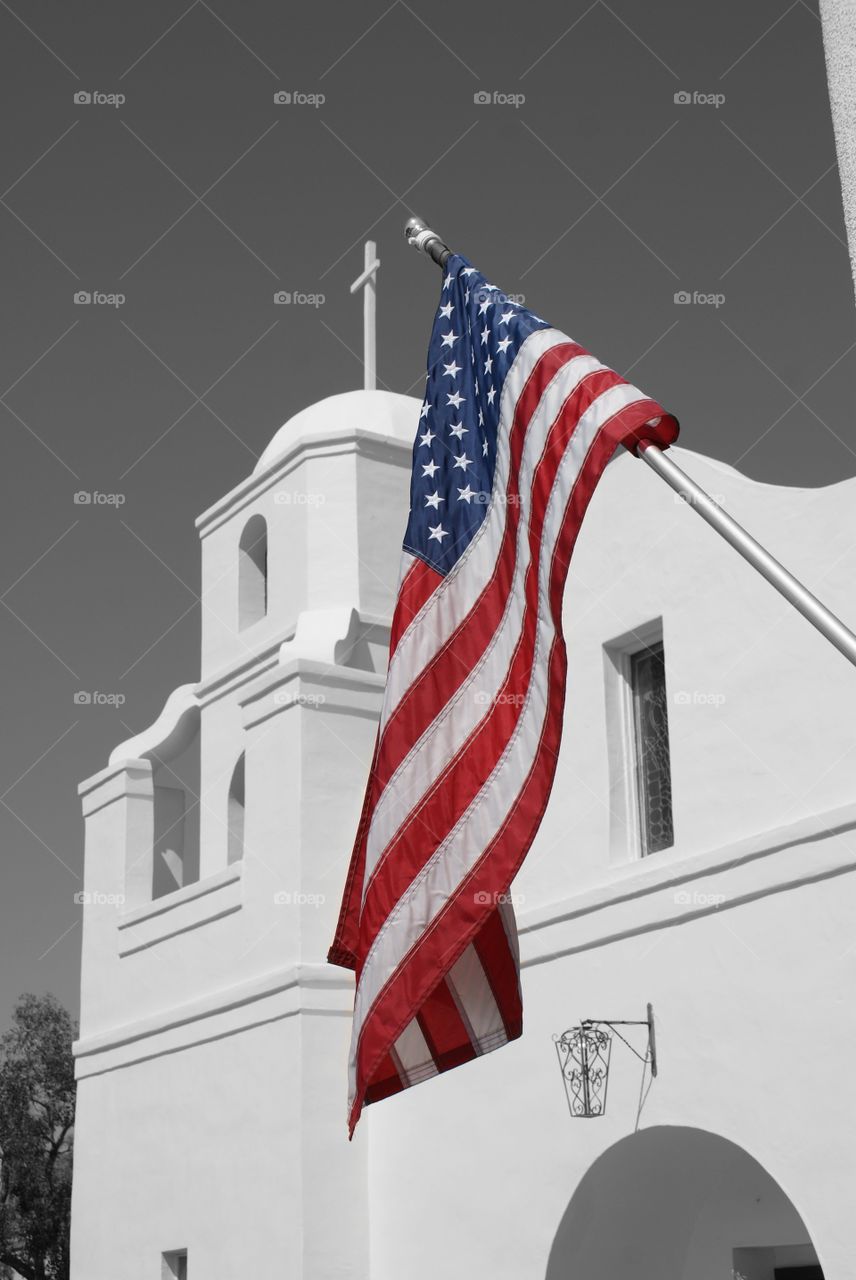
[(421, 236)]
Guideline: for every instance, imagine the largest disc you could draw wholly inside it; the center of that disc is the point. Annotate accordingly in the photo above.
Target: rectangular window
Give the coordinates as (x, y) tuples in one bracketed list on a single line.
[(651, 743), (174, 1265)]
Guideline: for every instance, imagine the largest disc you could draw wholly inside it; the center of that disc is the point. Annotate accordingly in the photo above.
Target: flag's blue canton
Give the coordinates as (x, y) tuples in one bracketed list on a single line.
[(477, 333)]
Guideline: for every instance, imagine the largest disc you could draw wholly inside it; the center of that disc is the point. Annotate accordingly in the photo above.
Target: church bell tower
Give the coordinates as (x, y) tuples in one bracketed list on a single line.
[(211, 1136)]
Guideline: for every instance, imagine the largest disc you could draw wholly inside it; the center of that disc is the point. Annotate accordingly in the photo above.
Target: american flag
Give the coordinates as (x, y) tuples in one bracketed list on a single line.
[(517, 426)]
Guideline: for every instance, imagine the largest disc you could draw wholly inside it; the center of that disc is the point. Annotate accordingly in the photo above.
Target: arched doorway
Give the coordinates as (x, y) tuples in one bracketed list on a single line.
[(672, 1203)]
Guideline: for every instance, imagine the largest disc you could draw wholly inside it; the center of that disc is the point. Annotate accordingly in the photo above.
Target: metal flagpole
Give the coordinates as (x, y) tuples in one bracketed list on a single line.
[(422, 237)]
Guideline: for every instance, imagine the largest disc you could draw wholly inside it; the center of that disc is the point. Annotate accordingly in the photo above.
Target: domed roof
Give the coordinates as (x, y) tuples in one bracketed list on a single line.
[(383, 412)]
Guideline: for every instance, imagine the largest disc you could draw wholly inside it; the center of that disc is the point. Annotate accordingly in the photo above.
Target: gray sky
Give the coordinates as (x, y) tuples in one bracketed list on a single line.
[(599, 197)]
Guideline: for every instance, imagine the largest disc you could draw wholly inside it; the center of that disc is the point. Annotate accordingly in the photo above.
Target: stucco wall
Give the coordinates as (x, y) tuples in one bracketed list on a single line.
[(839, 42), (208, 1149)]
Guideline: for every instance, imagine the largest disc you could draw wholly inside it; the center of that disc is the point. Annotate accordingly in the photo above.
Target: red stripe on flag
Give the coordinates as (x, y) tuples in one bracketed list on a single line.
[(444, 1029), (420, 583), (386, 1081), (494, 951), (343, 950)]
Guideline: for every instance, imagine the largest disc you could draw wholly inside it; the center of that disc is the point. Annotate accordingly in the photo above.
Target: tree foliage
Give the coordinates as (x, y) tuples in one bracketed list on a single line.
[(36, 1129)]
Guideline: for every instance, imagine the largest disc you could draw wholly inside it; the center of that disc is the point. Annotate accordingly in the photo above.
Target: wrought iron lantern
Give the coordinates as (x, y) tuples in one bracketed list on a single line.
[(584, 1054)]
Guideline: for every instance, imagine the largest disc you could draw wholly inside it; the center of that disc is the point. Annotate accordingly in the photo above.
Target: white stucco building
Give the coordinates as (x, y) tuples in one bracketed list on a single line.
[(211, 1137), (719, 886)]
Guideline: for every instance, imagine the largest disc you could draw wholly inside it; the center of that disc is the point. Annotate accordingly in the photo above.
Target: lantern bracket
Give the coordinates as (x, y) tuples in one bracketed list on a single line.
[(650, 1055)]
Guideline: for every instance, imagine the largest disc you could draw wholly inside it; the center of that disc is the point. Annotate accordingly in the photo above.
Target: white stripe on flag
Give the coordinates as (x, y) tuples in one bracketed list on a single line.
[(474, 997), (412, 1056), (509, 924)]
